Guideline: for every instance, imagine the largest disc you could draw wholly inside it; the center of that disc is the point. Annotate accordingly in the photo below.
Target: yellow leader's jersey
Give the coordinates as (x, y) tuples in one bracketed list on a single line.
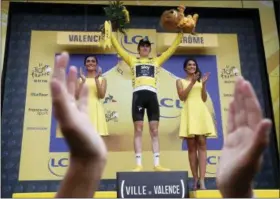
[(145, 70)]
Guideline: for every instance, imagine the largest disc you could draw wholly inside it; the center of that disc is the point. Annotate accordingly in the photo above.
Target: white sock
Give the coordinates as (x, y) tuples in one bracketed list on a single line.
[(138, 157), (156, 159)]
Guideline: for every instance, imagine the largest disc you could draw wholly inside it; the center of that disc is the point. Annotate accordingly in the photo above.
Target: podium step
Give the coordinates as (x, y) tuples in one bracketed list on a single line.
[(172, 184), (216, 194), (192, 194)]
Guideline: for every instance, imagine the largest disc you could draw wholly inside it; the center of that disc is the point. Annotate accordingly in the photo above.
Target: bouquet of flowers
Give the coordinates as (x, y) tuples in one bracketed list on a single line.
[(118, 16)]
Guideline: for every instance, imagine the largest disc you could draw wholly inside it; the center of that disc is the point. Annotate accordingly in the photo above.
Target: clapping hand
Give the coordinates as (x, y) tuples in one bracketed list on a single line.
[(247, 138), (82, 76), (72, 117), (87, 149), (99, 72), (195, 77), (205, 78)]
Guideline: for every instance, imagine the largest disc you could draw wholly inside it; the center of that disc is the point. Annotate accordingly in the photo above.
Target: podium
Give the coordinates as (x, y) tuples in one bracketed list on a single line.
[(172, 184)]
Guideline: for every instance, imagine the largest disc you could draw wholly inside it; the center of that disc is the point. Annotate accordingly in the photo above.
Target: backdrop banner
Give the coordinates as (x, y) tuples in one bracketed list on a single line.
[(44, 151), (268, 26), (78, 38)]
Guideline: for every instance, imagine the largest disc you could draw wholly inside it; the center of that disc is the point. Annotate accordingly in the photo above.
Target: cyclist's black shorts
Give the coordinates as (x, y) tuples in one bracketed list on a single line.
[(145, 99)]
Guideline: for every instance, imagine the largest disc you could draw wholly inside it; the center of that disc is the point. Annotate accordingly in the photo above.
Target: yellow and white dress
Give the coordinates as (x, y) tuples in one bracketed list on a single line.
[(95, 107), (195, 116)]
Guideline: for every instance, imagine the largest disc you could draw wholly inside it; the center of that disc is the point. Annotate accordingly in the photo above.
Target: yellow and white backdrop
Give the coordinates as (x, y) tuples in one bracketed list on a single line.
[(50, 159), (268, 23)]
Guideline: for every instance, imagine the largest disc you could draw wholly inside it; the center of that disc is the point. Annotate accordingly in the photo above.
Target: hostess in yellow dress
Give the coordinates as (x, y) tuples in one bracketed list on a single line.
[(95, 107), (195, 116)]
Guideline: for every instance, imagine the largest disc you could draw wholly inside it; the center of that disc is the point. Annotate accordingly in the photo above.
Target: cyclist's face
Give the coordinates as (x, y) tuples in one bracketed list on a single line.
[(144, 50)]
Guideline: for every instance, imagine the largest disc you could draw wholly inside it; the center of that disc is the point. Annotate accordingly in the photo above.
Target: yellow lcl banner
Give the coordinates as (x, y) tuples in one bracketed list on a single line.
[(198, 40), (78, 38), (93, 38)]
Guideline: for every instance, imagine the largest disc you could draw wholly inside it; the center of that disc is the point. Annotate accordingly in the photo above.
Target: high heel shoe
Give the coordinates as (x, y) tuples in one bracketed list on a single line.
[(195, 185), (202, 185)]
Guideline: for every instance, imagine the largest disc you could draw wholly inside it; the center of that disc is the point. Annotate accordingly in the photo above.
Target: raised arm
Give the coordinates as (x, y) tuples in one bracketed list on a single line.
[(126, 57), (87, 149), (183, 93), (79, 84), (203, 90), (170, 51), (101, 85), (203, 93)]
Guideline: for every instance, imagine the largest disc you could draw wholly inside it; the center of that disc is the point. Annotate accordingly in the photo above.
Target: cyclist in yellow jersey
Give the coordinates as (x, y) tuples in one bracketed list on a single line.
[(144, 82)]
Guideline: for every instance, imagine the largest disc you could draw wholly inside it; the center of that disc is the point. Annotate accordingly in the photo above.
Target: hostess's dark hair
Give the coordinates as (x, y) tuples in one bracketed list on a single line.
[(197, 70), (85, 60)]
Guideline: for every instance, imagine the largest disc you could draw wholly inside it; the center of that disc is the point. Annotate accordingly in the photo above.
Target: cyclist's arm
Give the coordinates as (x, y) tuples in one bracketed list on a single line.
[(169, 52), (125, 56)]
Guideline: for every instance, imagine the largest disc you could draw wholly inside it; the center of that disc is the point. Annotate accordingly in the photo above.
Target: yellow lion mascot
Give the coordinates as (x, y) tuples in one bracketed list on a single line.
[(174, 20)]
